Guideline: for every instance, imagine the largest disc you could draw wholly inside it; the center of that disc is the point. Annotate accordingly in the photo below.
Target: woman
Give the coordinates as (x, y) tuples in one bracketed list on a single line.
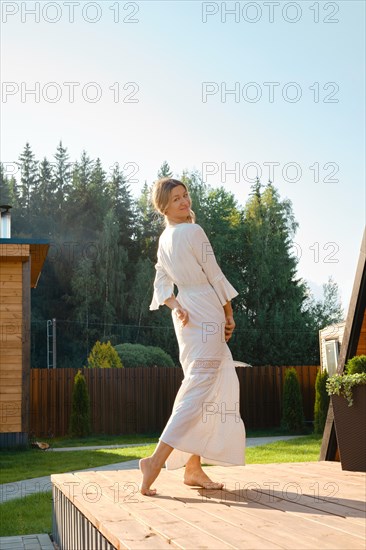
[(205, 421)]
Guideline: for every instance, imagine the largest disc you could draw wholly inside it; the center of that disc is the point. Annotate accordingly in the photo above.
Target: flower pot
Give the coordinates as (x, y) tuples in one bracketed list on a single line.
[(350, 426)]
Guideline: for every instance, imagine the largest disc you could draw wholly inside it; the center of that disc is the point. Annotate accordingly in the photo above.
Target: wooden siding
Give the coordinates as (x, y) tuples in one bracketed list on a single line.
[(361, 346), (11, 304)]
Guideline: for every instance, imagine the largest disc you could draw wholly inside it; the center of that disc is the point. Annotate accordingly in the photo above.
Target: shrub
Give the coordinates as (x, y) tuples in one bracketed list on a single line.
[(137, 355), (158, 357), (292, 411), (321, 401), (104, 355), (356, 365), (80, 412)]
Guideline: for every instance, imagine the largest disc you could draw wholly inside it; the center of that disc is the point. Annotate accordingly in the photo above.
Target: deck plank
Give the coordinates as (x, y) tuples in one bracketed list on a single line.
[(274, 525), (170, 527), (262, 506), (290, 489), (120, 529), (261, 525)]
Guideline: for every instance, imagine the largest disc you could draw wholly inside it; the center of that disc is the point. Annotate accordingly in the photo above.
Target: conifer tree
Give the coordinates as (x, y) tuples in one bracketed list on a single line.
[(321, 401), (29, 180), (272, 296), (327, 310), (149, 224), (103, 355), (140, 293), (165, 171), (9, 195), (292, 409), (110, 269), (121, 200), (80, 412), (88, 200), (83, 299), (63, 174), (45, 200)]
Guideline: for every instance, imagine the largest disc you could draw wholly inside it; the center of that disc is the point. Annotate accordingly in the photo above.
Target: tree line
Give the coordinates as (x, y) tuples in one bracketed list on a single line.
[(97, 280)]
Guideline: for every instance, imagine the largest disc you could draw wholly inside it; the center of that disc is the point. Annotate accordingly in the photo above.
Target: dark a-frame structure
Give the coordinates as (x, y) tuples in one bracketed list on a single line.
[(353, 343)]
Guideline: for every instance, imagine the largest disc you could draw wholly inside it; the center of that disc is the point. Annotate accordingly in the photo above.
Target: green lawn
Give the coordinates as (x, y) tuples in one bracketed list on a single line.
[(302, 449), (32, 514), (59, 442), (30, 463), (97, 439), (18, 465), (27, 515)]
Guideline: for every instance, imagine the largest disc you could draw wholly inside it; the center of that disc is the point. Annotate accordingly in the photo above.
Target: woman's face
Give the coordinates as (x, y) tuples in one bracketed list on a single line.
[(179, 204)]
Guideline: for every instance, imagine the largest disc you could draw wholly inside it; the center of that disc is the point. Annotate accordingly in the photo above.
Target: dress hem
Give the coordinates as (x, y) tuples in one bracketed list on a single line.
[(204, 458)]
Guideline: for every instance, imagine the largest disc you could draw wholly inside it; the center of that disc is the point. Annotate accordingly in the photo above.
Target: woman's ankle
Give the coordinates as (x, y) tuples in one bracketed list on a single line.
[(155, 462), (196, 466)]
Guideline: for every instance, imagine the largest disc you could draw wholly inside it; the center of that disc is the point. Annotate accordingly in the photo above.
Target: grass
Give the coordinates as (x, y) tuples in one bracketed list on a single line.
[(302, 449), (27, 515), (98, 439), (26, 464), (18, 465), (33, 513), (59, 442)]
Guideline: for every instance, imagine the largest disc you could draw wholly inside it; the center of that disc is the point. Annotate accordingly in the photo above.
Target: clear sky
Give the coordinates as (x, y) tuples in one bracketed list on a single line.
[(152, 82)]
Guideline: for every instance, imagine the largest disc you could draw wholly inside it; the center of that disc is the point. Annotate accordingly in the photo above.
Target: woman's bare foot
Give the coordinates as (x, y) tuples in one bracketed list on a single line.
[(198, 478), (149, 473)]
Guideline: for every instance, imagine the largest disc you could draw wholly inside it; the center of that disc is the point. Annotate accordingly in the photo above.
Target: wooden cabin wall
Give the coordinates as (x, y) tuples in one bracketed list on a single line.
[(14, 346), (11, 301), (361, 346)]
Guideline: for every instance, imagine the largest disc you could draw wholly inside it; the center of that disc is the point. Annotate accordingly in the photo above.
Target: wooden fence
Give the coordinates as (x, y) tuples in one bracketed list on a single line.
[(140, 400)]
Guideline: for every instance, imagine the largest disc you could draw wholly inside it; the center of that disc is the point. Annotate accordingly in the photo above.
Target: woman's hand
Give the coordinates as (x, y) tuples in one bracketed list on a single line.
[(181, 314), (229, 327)]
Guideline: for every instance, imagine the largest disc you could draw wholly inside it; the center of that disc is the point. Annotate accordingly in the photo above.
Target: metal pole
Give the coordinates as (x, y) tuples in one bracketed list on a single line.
[(54, 343), (48, 343)]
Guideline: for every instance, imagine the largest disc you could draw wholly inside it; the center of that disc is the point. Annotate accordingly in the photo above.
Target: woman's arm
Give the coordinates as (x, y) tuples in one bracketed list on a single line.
[(228, 308), (181, 313), (204, 254), (172, 302), (229, 320)]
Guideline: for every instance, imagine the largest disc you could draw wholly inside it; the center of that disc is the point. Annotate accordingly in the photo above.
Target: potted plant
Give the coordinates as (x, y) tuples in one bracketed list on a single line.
[(348, 395)]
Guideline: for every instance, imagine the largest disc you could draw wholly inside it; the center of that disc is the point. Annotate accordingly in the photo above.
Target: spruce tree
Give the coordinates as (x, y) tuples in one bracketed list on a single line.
[(60, 184), (111, 271), (46, 199), (78, 216), (121, 200), (5, 188), (292, 410), (271, 294), (82, 298), (327, 310), (321, 401), (165, 171), (140, 294), (148, 224), (63, 173), (29, 180), (80, 412)]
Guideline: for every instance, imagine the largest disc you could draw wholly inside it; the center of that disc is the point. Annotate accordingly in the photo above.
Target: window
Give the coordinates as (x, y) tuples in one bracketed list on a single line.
[(331, 353)]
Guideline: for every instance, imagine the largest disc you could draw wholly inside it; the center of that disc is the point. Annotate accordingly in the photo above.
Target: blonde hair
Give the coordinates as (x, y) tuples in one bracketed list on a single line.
[(160, 196)]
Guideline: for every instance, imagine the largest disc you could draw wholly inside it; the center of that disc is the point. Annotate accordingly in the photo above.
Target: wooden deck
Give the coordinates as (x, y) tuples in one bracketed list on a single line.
[(270, 506)]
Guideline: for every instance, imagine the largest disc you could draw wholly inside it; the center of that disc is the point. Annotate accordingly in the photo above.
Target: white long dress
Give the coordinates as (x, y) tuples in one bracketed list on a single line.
[(205, 419)]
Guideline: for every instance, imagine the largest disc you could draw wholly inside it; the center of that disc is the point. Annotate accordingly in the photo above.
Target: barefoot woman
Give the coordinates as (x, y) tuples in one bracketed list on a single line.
[(205, 420)]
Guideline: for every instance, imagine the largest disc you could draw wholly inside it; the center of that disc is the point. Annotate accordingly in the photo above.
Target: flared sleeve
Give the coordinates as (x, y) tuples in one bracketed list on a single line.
[(205, 256), (163, 286)]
